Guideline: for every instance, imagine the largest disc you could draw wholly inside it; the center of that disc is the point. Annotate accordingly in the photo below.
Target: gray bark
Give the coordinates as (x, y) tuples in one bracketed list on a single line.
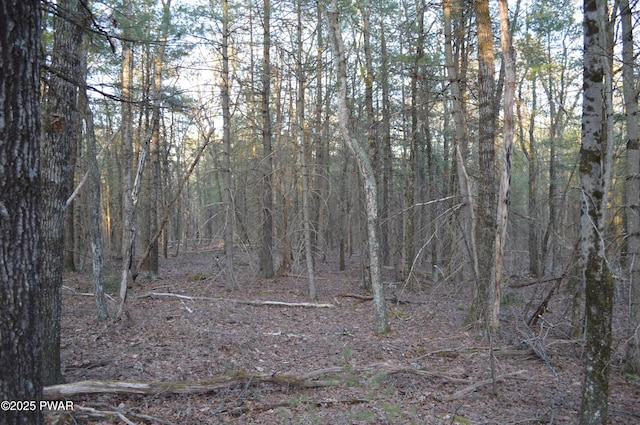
[(20, 321), (480, 311), (266, 253), (366, 170), (505, 178), (632, 360), (595, 272), (56, 170), (226, 142)]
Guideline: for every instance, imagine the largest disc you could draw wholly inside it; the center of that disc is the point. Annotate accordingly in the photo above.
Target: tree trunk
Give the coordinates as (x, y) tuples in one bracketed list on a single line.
[(56, 165), (95, 202), (468, 217), (632, 361), (151, 264), (364, 164), (126, 159), (595, 272), (481, 309), (387, 153), (266, 253), (530, 152), (305, 159), (320, 190), (505, 178), (20, 325), (226, 141)]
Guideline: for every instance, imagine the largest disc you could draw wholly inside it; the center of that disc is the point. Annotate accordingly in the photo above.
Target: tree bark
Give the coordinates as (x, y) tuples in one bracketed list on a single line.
[(20, 322), (505, 178), (366, 170), (155, 179), (486, 211), (126, 165), (226, 142), (632, 360), (595, 271), (266, 253), (305, 159), (95, 203), (56, 170)]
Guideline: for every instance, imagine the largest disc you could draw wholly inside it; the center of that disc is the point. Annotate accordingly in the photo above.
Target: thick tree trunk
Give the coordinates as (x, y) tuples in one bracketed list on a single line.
[(595, 272), (481, 309), (56, 169), (20, 322)]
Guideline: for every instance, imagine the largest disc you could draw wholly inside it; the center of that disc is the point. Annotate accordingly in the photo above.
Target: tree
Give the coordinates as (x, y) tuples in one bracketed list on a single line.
[(266, 253), (632, 361), (455, 80), (366, 170), (486, 206), (97, 248), (126, 165), (504, 195), (226, 141), (20, 281), (305, 158), (60, 115), (595, 270)]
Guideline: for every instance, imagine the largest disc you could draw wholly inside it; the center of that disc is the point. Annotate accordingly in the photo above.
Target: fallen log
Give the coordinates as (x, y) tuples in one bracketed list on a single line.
[(62, 391), (318, 378)]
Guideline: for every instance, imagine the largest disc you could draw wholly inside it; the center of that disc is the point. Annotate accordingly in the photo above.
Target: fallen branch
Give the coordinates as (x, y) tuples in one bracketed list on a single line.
[(249, 302), (57, 392), (284, 304), (313, 379), (119, 413), (392, 299), (473, 387)]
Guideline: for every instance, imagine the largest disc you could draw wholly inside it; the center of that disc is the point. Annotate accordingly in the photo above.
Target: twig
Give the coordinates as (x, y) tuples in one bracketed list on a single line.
[(473, 387), (121, 414)]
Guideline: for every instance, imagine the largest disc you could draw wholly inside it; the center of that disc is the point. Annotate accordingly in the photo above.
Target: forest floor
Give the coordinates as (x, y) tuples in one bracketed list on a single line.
[(260, 363)]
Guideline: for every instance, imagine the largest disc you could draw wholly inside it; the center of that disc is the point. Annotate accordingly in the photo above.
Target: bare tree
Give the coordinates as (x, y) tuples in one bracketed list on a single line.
[(20, 322), (226, 141), (486, 206), (505, 178), (56, 165), (632, 364), (305, 158), (366, 170), (266, 253), (595, 270)]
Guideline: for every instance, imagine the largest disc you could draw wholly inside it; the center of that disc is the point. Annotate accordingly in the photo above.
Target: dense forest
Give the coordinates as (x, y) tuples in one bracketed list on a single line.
[(476, 143)]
